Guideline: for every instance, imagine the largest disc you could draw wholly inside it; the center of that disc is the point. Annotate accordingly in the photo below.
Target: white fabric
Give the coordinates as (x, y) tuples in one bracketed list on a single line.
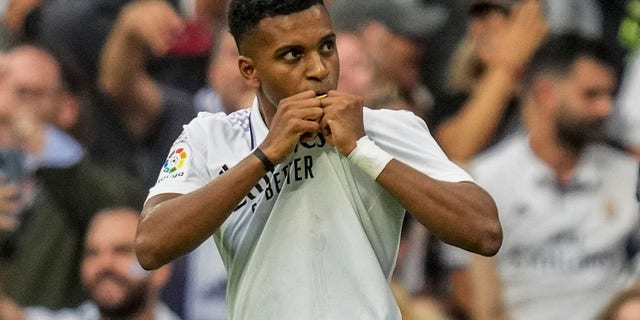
[(59, 150), (317, 238), (206, 284), (563, 253), (87, 311), (626, 119)]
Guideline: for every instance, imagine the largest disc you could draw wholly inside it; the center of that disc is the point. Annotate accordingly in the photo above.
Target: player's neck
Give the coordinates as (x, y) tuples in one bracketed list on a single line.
[(267, 109)]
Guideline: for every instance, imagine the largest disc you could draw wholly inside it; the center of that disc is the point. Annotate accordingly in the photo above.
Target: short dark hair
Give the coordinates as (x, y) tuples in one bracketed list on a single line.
[(245, 15), (560, 52)]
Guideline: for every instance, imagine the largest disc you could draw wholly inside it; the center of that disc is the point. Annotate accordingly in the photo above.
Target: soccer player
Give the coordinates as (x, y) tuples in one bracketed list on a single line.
[(306, 191)]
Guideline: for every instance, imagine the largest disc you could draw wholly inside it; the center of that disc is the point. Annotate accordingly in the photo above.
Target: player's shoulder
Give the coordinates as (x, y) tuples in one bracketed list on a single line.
[(388, 119), (216, 128), (373, 114), (235, 121)]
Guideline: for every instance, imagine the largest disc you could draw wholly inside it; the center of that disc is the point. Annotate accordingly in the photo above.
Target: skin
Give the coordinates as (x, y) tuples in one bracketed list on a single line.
[(395, 55), (356, 67), (629, 311), (37, 83), (289, 60)]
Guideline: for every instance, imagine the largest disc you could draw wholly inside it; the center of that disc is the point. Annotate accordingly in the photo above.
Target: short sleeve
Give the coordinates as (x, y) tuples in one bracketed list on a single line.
[(184, 169), (407, 138)]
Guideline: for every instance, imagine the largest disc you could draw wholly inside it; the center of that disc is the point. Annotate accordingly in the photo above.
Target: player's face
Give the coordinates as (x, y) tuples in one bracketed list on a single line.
[(293, 53), (110, 273)]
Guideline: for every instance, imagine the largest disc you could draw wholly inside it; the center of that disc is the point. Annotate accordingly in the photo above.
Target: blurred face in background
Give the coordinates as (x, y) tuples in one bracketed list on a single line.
[(584, 102), (32, 96), (395, 56), (356, 67), (21, 125), (225, 77), (36, 81), (111, 275)]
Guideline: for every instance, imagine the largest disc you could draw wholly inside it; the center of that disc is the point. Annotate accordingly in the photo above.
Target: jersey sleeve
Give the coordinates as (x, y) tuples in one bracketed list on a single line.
[(184, 169), (407, 138)]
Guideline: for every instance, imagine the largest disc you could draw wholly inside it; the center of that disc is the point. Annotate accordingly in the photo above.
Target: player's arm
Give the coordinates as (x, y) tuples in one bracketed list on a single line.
[(171, 225), (461, 214)]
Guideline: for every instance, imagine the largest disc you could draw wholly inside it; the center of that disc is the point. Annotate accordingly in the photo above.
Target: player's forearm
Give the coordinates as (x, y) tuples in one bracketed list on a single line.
[(461, 214), (471, 130), (171, 226)]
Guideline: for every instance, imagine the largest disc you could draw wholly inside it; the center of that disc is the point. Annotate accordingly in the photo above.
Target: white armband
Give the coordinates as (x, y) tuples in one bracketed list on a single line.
[(369, 157)]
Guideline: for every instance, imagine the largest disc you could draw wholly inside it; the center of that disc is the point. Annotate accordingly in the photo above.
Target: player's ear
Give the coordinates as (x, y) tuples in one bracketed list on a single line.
[(248, 71)]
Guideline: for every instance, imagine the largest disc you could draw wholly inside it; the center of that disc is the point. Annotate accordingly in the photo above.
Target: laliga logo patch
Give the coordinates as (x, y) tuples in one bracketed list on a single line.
[(175, 160)]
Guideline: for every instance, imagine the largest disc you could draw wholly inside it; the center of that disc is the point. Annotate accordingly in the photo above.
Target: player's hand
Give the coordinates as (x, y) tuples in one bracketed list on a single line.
[(342, 124), (298, 117)]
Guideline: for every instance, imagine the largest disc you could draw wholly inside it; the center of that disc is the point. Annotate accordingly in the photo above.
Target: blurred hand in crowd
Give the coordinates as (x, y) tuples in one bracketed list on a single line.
[(509, 41), (154, 23)]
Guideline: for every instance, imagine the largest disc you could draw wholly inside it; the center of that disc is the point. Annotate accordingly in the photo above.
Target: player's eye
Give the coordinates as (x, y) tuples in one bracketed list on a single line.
[(292, 55), (328, 47)]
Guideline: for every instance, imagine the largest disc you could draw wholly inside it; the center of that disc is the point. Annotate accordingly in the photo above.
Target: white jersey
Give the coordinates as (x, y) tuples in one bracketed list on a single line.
[(317, 238), (563, 252)]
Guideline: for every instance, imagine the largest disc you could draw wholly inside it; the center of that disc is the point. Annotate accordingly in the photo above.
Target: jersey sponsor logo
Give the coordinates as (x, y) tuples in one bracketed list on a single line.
[(177, 162), (296, 170)]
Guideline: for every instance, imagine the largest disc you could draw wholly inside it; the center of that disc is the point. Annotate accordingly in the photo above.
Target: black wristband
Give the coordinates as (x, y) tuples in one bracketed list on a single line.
[(268, 165)]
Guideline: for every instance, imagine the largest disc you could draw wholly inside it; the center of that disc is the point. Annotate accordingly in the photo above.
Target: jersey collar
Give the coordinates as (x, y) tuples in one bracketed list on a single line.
[(258, 127)]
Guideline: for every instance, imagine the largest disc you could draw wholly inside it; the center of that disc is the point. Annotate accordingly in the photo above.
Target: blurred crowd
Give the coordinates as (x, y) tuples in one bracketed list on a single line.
[(537, 99)]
